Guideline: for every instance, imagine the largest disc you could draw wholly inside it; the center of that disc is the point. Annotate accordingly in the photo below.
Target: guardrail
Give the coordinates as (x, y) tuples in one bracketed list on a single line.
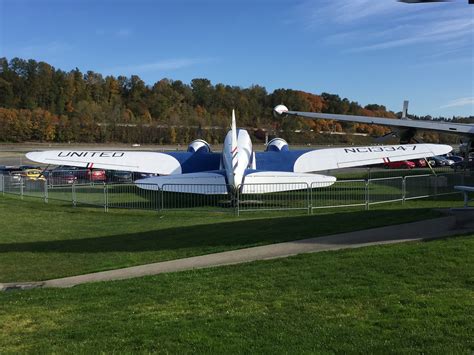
[(252, 197), (290, 196)]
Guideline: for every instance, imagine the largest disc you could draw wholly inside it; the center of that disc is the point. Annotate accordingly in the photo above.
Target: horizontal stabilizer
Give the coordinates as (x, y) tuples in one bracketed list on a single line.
[(337, 158), (145, 162), (277, 181), (194, 183)]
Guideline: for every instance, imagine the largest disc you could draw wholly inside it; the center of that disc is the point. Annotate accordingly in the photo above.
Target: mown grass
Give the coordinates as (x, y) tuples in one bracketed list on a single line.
[(42, 241), (381, 173), (407, 298)]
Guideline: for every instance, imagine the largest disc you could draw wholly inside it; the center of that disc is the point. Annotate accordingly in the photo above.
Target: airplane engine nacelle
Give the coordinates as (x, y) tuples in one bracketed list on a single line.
[(279, 110), (199, 146), (277, 145)]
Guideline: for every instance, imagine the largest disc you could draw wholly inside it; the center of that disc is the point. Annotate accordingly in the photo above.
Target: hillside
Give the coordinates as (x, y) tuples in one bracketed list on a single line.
[(41, 103)]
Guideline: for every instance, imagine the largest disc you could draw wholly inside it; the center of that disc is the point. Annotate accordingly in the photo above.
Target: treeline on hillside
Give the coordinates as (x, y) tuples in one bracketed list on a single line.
[(41, 103)]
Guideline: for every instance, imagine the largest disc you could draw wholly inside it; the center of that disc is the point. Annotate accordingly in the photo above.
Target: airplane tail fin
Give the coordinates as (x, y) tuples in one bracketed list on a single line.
[(405, 110), (234, 132)]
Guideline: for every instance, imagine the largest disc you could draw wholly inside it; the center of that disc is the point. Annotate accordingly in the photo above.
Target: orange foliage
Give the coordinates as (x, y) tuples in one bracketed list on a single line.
[(316, 102)]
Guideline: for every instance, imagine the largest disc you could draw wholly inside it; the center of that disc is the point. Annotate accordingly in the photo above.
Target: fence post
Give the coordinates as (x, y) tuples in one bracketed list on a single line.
[(404, 189), (158, 199), (21, 187), (106, 198), (237, 201), (367, 195), (45, 191), (162, 191), (308, 191), (73, 192), (3, 184)]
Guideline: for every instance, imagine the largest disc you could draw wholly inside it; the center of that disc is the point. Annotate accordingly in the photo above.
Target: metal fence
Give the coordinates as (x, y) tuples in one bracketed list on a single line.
[(253, 197)]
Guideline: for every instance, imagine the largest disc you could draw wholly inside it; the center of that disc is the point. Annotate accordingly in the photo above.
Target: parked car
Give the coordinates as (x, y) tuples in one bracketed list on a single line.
[(119, 176), (13, 175), (126, 176), (61, 177), (97, 175), (138, 176), (84, 175), (440, 161), (461, 164), (7, 170), (27, 167), (420, 163), (32, 175), (453, 157), (404, 164)]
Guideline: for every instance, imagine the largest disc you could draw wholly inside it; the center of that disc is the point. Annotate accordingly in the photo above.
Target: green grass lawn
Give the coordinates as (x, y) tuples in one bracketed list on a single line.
[(414, 297), (42, 241), (379, 172)]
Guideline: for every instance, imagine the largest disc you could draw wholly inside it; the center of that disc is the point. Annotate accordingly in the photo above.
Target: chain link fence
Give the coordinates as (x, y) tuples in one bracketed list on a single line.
[(252, 197)]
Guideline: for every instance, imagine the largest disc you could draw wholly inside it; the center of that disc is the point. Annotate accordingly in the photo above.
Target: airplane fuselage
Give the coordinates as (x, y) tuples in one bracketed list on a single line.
[(237, 157)]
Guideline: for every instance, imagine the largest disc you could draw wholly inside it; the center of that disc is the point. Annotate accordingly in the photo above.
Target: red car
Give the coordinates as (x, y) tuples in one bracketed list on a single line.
[(90, 175), (420, 163), (97, 175), (83, 175), (404, 164)]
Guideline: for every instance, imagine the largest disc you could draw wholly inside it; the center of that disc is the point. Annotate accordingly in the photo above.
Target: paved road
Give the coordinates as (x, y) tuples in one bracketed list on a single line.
[(428, 229)]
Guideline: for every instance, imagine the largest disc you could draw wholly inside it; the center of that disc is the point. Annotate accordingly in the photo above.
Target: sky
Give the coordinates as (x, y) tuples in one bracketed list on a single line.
[(370, 51)]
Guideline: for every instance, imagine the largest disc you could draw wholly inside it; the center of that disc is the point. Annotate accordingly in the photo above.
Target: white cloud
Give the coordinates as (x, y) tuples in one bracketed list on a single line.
[(41, 50), (343, 11), (367, 25), (440, 32), (463, 101)]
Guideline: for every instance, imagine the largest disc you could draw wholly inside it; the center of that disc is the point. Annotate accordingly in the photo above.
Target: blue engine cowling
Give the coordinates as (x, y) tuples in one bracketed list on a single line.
[(277, 145), (199, 146)]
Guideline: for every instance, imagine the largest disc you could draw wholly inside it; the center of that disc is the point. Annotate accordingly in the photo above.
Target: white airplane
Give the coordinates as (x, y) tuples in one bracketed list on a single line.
[(238, 166), (404, 128)]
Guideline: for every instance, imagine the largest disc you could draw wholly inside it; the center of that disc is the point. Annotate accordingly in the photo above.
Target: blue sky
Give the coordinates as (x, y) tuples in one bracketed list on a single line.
[(370, 51)]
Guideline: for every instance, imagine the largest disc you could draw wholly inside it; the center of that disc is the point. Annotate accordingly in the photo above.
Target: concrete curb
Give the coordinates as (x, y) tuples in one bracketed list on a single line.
[(408, 232)]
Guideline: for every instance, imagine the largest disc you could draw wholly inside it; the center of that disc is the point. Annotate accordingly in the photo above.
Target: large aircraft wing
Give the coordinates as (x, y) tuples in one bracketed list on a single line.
[(336, 158), (459, 128), (168, 163)]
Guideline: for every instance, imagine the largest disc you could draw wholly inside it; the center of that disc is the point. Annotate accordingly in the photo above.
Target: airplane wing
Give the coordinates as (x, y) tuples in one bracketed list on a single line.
[(459, 128), (168, 163), (335, 158)]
